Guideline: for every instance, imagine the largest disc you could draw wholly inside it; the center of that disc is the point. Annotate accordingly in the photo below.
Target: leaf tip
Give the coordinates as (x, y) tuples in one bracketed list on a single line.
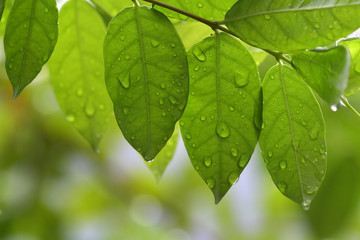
[(16, 92)]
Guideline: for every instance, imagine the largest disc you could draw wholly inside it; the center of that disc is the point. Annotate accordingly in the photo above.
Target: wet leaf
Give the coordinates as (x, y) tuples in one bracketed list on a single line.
[(292, 140), (353, 85)]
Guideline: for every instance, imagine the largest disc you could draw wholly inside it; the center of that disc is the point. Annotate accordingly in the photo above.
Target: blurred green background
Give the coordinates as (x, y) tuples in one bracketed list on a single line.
[(53, 187)]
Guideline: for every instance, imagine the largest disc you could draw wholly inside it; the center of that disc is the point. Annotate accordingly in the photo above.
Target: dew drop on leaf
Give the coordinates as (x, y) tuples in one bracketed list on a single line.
[(154, 43), (89, 109), (234, 152), (200, 5), (210, 182), (333, 108), (172, 99), (270, 153), (125, 110), (267, 17), (282, 164), (199, 54), (241, 80), (188, 136), (303, 122), (46, 10), (243, 161), (314, 132), (207, 161), (282, 186), (233, 178), (124, 80), (305, 205), (222, 130), (202, 117)]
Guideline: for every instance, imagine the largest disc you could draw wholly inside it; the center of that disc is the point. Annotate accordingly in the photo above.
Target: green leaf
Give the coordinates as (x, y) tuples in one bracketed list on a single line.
[(30, 37), (221, 123), (77, 70), (353, 85), (326, 71), (146, 76), (162, 160), (291, 24), (209, 9), (292, 140), (2, 6)]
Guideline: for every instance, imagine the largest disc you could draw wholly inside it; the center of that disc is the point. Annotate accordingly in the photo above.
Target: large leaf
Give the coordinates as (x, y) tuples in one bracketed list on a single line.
[(221, 123), (2, 6), (292, 140), (353, 85), (162, 160), (146, 76), (209, 9), (326, 71), (30, 38), (292, 24), (77, 70)]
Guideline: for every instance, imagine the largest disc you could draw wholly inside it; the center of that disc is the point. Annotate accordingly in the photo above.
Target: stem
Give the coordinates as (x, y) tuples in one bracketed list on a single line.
[(348, 105)]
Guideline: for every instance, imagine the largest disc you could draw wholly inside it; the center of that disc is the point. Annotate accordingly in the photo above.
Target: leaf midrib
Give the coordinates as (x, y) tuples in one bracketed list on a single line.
[(142, 53), (218, 102), (288, 10), (291, 128)]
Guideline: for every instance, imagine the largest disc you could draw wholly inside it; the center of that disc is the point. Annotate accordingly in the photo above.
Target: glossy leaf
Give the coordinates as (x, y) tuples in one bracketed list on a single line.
[(146, 76), (220, 126), (209, 9), (353, 85), (326, 71), (292, 140), (162, 160), (291, 24), (77, 70), (2, 6), (30, 37)]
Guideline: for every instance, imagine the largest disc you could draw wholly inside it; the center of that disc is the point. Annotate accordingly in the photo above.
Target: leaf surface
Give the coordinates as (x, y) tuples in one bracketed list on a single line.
[(77, 70), (220, 126), (353, 85), (209, 9), (30, 37), (292, 140), (146, 76), (162, 160), (325, 71), (291, 24)]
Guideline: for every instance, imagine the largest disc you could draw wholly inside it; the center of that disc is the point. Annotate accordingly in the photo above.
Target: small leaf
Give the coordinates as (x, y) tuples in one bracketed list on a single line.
[(2, 6), (220, 126), (292, 140), (30, 37), (326, 71), (77, 70), (353, 85), (291, 24), (162, 160), (146, 76)]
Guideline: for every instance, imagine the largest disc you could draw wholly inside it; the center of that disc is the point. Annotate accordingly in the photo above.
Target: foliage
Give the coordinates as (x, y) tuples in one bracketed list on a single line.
[(214, 88)]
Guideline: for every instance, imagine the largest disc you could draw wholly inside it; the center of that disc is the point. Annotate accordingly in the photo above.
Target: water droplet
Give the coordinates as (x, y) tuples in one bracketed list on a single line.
[(243, 161), (188, 136), (314, 132), (207, 161), (161, 101), (234, 152), (80, 92), (210, 182), (309, 191), (197, 168), (46, 10), (203, 118), (70, 118), (196, 68), (303, 160), (233, 178), (89, 109), (172, 99), (282, 164), (11, 66), (127, 57), (333, 108), (303, 122), (306, 205), (154, 43), (125, 110), (267, 17), (222, 130), (231, 108), (124, 80), (282, 186), (182, 123), (173, 45), (272, 77), (270, 154), (200, 5), (322, 149), (122, 38), (316, 25), (163, 114), (199, 54), (263, 125), (241, 80), (162, 85)]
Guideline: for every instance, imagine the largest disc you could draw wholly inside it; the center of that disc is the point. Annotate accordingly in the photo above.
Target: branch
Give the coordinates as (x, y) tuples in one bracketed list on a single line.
[(348, 105)]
